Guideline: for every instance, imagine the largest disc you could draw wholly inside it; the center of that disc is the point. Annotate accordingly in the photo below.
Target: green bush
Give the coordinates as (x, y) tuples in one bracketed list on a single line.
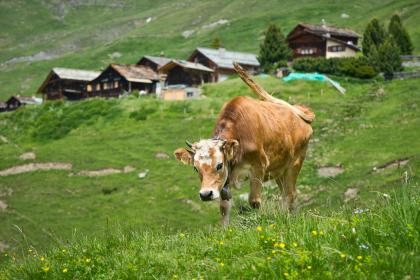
[(144, 112), (350, 66), (56, 119)]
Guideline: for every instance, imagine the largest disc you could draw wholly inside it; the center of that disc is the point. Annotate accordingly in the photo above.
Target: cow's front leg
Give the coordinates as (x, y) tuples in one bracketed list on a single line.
[(256, 186), (225, 206)]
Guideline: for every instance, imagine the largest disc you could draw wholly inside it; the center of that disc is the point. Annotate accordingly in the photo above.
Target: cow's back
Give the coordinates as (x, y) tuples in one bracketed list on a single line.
[(263, 127)]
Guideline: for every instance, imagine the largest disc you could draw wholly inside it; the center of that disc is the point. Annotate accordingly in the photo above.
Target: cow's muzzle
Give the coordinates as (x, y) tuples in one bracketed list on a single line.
[(206, 195)]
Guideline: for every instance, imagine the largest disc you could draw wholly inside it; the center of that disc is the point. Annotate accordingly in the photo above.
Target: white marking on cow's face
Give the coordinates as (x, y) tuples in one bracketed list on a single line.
[(207, 158)]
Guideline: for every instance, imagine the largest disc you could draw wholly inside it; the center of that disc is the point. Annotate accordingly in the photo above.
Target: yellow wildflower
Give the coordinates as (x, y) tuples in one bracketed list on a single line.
[(42, 259), (64, 250), (273, 252), (359, 258), (259, 228), (272, 226), (282, 245), (175, 276), (46, 269), (30, 250), (182, 235), (268, 258), (87, 260), (321, 232), (222, 264), (342, 255), (314, 233), (221, 243), (65, 270), (294, 244), (309, 267), (286, 274)]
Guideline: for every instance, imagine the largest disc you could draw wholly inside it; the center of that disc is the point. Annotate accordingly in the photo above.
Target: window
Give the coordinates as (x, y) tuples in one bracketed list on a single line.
[(89, 88), (307, 51), (105, 85), (116, 84), (190, 94), (98, 87), (337, 48)]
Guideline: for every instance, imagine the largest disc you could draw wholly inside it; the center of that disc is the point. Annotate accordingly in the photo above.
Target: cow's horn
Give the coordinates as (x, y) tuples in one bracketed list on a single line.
[(188, 144)]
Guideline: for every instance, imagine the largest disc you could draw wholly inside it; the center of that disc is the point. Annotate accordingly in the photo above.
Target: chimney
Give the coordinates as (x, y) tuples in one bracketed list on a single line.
[(222, 52)]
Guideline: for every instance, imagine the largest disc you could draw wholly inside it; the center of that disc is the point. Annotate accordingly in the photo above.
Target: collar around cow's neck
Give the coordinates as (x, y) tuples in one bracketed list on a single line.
[(225, 193)]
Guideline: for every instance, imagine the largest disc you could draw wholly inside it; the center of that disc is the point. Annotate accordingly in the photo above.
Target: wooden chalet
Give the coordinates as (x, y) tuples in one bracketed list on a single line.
[(119, 79), (154, 62), (221, 62), (15, 102), (3, 106), (322, 41), (181, 72), (67, 83)]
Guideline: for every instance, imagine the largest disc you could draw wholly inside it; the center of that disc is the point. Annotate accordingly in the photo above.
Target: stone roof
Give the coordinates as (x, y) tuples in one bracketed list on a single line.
[(323, 29), (225, 59), (136, 73), (185, 64), (158, 60), (75, 74)]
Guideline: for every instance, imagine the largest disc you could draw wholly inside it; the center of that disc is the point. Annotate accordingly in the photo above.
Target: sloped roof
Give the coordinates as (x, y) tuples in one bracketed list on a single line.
[(323, 29), (75, 74), (224, 58), (159, 60), (27, 99), (136, 73), (185, 64)]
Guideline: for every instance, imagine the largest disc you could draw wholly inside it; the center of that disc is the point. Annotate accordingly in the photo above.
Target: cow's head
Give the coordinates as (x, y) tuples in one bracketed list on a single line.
[(211, 159)]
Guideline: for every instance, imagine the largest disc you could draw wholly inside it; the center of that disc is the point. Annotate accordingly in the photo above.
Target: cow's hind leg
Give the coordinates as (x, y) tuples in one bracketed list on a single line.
[(256, 186), (225, 206), (287, 184)]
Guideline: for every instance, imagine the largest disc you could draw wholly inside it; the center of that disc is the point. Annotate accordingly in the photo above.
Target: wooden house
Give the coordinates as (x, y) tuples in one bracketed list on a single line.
[(221, 62), (180, 92), (322, 41), (181, 72), (119, 79), (15, 102), (3, 106), (67, 83), (154, 62)]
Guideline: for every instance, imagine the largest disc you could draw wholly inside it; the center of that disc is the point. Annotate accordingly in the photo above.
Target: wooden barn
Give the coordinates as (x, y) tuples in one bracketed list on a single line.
[(119, 79), (221, 61), (322, 41), (181, 72), (67, 83), (154, 62), (15, 102)]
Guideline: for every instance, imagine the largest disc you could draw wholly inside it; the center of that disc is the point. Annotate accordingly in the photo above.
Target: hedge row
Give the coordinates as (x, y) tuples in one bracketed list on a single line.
[(351, 66)]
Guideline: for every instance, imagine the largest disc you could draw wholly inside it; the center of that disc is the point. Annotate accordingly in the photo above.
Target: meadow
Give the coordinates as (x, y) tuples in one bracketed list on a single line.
[(158, 227)]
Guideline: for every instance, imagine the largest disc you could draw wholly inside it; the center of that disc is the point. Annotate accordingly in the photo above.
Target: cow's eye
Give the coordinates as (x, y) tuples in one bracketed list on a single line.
[(219, 166), (195, 168)]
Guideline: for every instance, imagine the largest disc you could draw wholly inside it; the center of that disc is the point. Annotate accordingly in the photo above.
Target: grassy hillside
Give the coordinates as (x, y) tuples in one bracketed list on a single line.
[(38, 35), (373, 124)]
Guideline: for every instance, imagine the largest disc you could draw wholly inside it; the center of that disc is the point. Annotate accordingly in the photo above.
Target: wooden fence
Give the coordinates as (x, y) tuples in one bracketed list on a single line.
[(404, 75)]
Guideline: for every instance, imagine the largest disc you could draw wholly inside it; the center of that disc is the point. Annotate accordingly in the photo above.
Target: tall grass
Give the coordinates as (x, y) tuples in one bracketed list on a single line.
[(381, 242)]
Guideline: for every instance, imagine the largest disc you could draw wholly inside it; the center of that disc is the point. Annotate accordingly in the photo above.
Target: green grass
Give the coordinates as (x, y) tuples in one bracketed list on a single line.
[(382, 241), (85, 35)]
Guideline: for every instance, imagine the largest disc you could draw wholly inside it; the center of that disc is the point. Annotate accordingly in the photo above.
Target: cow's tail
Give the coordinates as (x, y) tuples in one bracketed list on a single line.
[(300, 110)]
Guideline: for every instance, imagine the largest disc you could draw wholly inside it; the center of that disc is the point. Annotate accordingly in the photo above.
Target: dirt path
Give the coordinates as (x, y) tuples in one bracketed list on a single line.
[(30, 167)]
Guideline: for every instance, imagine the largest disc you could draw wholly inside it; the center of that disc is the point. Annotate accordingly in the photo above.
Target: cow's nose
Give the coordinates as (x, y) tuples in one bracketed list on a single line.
[(206, 195)]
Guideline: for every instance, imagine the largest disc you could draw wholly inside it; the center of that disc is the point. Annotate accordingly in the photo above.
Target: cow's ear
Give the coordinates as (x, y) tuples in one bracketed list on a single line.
[(230, 148), (183, 155)]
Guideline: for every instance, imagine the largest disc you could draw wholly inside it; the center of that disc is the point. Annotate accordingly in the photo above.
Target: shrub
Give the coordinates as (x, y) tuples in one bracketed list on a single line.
[(351, 66), (142, 113)]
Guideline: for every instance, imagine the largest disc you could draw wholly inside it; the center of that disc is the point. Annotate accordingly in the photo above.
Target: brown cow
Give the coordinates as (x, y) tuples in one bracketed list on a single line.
[(264, 139)]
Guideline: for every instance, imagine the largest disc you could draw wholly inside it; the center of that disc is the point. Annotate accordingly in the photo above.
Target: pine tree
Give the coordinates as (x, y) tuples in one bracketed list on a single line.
[(273, 49), (400, 35), (388, 58), (373, 36), (216, 44)]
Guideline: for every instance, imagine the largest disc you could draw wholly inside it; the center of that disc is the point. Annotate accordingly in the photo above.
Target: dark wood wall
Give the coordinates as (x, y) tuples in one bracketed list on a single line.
[(307, 41), (190, 77), (58, 88)]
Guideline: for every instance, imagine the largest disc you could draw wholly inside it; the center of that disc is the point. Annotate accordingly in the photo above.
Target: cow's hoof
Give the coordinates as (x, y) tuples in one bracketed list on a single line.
[(255, 204)]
